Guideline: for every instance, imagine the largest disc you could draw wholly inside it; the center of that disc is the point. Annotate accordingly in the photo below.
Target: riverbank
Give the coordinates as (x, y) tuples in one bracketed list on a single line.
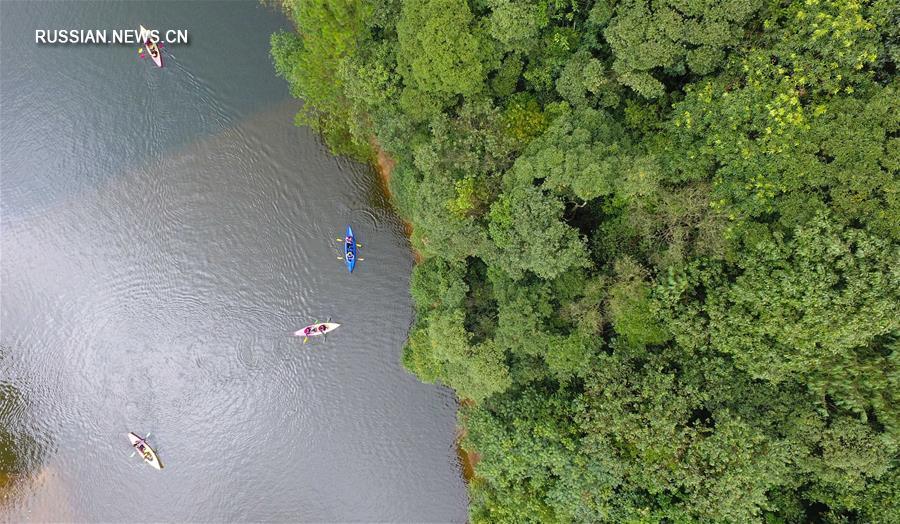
[(384, 166), (468, 459)]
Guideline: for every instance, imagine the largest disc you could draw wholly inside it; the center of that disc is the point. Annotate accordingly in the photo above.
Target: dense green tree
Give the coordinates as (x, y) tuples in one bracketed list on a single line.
[(528, 234), (630, 308), (673, 37), (329, 31), (585, 81), (440, 229), (682, 466), (527, 443), (819, 305), (516, 24), (440, 53), (474, 142), (441, 349), (659, 238), (581, 152)]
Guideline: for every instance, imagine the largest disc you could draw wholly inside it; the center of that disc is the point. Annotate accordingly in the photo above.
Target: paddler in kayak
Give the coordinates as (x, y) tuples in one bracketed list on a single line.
[(151, 47), (349, 248), (142, 449), (309, 330)]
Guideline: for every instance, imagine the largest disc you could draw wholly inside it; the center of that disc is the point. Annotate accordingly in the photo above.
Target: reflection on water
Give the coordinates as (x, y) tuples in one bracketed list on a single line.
[(23, 446)]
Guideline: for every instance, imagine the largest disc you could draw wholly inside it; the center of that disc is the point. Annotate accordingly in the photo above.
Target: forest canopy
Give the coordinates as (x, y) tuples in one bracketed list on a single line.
[(660, 241)]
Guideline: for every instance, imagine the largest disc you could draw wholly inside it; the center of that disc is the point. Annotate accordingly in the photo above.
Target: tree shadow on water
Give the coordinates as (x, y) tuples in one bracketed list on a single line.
[(22, 449)]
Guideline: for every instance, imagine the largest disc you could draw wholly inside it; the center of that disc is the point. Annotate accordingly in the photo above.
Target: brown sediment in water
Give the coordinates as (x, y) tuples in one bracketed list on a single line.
[(40, 497), (384, 166), (467, 459), (6, 482)]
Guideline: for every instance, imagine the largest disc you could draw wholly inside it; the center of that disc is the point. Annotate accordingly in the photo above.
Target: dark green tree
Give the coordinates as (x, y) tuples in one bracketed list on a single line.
[(659, 241)]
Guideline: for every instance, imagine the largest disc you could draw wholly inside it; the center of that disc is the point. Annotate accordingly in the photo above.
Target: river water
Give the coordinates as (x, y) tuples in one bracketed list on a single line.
[(163, 233)]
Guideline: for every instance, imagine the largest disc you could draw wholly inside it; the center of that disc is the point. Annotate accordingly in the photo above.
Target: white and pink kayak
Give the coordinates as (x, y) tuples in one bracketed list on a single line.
[(151, 47), (314, 330)]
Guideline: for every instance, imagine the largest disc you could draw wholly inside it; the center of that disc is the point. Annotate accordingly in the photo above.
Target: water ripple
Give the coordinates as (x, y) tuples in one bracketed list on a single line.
[(159, 248)]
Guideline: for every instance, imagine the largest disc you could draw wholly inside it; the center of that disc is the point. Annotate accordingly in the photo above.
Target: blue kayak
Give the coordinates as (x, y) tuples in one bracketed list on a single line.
[(350, 250)]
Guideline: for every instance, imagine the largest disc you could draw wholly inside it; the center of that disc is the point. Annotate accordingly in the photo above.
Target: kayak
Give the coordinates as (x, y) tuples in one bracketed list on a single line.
[(152, 48), (350, 250), (149, 456), (314, 330)]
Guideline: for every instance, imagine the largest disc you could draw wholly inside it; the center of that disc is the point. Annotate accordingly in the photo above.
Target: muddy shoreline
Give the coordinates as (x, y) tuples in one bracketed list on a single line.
[(384, 166)]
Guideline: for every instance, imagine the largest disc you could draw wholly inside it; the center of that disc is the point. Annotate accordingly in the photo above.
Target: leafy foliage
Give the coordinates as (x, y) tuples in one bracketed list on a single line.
[(329, 32), (660, 239), (439, 54), (673, 36), (528, 234)]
